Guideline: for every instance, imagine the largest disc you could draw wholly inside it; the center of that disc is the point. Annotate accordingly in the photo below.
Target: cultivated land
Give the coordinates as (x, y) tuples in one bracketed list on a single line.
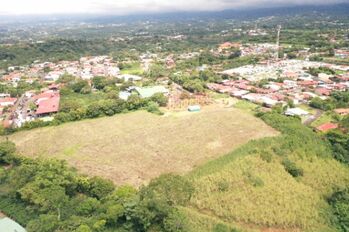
[(136, 147)]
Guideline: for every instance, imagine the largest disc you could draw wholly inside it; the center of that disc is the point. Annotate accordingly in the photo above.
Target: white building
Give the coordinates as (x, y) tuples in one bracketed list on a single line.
[(296, 112)]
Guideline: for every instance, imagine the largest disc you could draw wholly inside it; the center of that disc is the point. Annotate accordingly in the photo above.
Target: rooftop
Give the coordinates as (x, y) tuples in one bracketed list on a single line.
[(327, 126), (8, 225)]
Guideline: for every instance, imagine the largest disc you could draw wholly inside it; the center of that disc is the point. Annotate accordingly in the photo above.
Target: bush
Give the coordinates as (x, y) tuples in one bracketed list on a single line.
[(291, 168), (7, 150), (340, 205), (176, 222), (160, 99), (220, 228), (153, 107), (223, 186), (45, 223), (175, 189), (340, 145), (100, 188), (17, 209), (318, 103), (266, 156)]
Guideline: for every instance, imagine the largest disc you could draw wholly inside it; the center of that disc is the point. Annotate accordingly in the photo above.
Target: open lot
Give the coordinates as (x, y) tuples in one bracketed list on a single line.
[(135, 147)]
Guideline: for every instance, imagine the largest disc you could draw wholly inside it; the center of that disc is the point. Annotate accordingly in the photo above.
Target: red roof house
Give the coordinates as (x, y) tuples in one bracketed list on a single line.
[(327, 126), (47, 103), (7, 101), (323, 91)]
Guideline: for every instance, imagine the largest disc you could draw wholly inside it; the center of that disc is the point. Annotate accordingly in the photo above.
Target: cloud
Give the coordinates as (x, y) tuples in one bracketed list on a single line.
[(120, 7)]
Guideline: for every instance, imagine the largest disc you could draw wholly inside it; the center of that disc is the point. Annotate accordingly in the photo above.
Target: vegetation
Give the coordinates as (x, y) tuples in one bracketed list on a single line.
[(340, 204), (297, 181), (293, 175), (78, 102), (290, 175), (59, 199), (337, 100)]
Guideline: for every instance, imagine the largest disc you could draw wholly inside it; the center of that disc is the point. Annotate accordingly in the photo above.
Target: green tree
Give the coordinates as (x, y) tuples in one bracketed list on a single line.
[(45, 223), (79, 85), (7, 151), (340, 205), (173, 188), (100, 188), (99, 82), (176, 222), (159, 98)]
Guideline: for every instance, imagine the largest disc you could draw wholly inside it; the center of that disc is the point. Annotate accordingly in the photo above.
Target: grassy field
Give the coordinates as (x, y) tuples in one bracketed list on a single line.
[(82, 99), (307, 108), (325, 118), (135, 147), (133, 69), (245, 105)]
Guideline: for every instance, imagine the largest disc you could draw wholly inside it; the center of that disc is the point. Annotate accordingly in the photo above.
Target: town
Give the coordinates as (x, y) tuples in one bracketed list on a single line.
[(268, 83)]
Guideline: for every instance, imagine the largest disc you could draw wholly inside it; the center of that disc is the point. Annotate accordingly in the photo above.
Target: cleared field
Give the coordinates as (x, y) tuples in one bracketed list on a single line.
[(135, 147)]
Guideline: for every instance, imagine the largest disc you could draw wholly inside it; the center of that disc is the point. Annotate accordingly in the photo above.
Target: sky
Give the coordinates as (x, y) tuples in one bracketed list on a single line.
[(123, 7)]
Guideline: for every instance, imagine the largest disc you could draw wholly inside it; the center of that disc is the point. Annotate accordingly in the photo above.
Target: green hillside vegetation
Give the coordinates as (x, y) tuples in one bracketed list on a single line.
[(46, 195), (285, 183), (280, 182)]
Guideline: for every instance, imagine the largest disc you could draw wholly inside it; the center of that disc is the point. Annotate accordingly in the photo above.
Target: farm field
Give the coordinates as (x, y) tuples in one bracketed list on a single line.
[(136, 147)]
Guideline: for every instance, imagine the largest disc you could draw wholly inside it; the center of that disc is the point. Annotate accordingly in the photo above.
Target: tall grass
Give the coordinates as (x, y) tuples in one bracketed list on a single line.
[(252, 186)]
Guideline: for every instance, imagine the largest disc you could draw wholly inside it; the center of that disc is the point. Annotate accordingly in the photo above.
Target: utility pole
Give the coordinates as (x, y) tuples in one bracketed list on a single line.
[(278, 28)]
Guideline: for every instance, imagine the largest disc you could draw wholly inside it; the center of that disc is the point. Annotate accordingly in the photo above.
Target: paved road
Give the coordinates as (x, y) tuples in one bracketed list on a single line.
[(313, 118)]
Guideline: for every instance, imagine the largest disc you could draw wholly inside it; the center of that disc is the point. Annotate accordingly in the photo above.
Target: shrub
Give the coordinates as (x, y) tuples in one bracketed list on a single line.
[(220, 228), (223, 186), (340, 205), (7, 150), (175, 189), (175, 222), (266, 156), (159, 98), (153, 107), (291, 168), (17, 209), (100, 188)]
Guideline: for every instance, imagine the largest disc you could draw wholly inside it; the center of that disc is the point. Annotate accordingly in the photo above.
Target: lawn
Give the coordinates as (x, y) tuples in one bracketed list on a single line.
[(307, 108), (82, 99), (133, 69), (324, 118), (136, 147), (245, 105)]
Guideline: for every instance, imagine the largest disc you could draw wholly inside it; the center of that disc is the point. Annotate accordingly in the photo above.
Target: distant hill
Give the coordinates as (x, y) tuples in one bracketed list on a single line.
[(337, 10)]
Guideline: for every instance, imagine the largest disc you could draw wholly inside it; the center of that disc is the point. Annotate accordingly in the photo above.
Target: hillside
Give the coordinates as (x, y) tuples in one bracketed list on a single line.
[(273, 184), (136, 147)]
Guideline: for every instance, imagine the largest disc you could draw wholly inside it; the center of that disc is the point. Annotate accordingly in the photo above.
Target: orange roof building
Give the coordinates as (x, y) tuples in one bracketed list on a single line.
[(327, 126)]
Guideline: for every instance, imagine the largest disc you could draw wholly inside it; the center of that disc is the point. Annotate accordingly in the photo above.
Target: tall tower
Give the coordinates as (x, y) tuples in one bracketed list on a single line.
[(278, 28)]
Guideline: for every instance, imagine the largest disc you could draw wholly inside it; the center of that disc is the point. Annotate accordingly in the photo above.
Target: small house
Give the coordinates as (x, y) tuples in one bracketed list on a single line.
[(327, 126), (296, 112)]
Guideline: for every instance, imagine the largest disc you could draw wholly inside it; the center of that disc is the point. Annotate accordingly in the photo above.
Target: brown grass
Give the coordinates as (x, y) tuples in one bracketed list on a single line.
[(136, 147)]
